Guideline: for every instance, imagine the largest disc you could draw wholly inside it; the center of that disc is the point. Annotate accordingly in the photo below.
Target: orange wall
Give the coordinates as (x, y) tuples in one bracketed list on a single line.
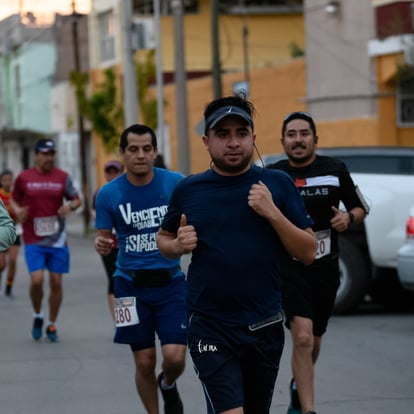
[(275, 92), (276, 88)]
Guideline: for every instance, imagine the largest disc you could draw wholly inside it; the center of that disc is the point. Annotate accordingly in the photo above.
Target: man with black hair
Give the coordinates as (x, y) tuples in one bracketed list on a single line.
[(309, 291), (39, 200), (239, 221), (148, 288)]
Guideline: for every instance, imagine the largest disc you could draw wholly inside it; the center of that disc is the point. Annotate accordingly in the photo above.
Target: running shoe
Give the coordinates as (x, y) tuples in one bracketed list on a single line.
[(294, 406), (172, 400), (8, 292), (37, 328), (51, 333)]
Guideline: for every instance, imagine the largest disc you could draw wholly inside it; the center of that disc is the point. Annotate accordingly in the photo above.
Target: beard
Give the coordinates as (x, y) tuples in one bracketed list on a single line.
[(300, 159), (224, 166)]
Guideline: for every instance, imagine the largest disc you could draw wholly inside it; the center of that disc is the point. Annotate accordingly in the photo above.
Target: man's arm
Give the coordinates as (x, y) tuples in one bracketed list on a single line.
[(7, 229), (299, 243), (72, 195), (343, 219), (174, 246), (67, 208), (103, 241), (20, 212)]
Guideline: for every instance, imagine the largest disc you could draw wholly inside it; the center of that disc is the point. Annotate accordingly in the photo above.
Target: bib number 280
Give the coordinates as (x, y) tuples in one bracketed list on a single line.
[(125, 311)]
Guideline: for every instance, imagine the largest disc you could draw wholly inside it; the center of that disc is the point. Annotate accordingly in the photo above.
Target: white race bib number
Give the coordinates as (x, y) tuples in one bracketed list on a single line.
[(323, 239), (46, 226), (126, 311)]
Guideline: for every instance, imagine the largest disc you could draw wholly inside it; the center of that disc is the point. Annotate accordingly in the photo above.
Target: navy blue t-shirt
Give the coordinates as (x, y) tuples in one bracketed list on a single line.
[(234, 274)]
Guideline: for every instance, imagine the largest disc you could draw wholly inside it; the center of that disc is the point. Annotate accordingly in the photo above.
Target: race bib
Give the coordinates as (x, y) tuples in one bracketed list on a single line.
[(45, 226), (126, 311), (323, 239)]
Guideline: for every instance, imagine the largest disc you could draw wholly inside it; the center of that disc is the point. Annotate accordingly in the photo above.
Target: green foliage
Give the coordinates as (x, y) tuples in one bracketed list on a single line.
[(296, 51), (146, 74), (102, 108), (405, 78)]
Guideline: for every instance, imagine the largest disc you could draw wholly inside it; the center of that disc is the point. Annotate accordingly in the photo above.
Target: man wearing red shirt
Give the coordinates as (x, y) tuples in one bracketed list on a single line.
[(38, 201)]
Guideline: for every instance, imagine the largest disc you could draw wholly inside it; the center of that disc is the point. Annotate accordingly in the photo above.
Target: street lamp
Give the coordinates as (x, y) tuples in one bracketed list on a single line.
[(332, 7), (181, 88), (245, 33), (81, 129)]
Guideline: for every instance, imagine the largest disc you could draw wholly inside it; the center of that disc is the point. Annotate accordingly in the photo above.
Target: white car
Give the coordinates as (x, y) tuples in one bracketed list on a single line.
[(406, 256), (368, 251)]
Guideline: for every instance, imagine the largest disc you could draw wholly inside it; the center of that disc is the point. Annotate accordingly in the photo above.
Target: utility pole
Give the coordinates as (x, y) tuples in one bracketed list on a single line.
[(129, 82), (245, 34), (181, 88), (83, 150), (215, 43), (160, 95)]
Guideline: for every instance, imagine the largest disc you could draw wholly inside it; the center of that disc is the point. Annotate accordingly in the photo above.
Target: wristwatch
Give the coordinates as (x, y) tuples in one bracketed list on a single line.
[(351, 217)]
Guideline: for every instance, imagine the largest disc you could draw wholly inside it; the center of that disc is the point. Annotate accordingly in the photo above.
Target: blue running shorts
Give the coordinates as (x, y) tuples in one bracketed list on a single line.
[(54, 259), (142, 312), (236, 366)]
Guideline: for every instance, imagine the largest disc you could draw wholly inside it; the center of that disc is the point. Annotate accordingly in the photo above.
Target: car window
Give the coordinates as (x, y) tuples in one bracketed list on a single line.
[(378, 164), (368, 163)]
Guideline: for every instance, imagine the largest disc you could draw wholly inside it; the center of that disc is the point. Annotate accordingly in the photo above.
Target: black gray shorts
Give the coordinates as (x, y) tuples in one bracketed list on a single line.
[(236, 366), (310, 291)]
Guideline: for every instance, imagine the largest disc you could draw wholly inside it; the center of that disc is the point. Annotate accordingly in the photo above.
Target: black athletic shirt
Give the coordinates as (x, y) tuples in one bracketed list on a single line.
[(323, 184)]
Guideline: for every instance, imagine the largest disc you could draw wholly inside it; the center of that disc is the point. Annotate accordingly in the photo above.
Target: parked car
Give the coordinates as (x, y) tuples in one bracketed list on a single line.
[(406, 255), (368, 251)]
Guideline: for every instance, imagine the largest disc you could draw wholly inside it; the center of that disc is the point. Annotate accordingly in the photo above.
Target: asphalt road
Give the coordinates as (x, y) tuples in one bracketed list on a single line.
[(366, 365)]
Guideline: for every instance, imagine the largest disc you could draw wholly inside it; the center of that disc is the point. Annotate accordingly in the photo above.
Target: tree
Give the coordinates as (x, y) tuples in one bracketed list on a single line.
[(146, 74), (102, 109)]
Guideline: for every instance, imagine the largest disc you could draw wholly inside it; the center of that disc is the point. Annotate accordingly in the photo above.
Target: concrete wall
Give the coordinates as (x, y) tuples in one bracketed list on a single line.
[(36, 64), (340, 75)]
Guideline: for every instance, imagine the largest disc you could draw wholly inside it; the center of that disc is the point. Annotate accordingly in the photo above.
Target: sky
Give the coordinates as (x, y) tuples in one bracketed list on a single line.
[(44, 10)]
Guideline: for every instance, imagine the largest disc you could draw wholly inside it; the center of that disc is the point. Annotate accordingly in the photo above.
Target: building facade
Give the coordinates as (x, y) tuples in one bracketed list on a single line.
[(353, 52), (254, 40), (27, 62)]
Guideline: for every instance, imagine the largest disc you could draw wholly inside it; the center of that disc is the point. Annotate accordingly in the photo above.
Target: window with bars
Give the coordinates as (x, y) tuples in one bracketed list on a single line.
[(260, 6), (106, 36), (405, 98), (147, 6)]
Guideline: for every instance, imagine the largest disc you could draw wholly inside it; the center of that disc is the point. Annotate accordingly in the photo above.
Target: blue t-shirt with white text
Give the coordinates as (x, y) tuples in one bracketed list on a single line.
[(136, 213)]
